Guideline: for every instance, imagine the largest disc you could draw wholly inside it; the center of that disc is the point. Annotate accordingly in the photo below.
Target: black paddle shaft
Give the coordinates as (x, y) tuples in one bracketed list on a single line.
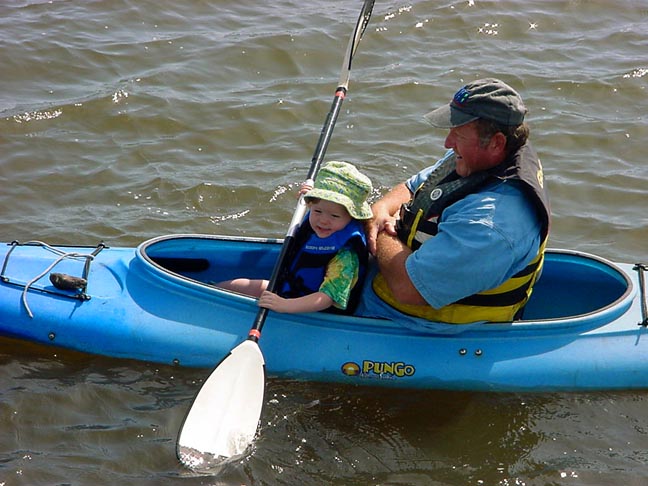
[(316, 161), (289, 240)]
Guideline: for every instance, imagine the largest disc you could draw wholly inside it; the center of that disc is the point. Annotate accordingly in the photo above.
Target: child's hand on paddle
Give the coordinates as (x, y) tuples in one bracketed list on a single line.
[(272, 301), (305, 187)]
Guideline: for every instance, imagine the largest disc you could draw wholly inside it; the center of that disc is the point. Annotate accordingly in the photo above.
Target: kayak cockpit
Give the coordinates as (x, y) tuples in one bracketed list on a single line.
[(573, 284), (208, 259)]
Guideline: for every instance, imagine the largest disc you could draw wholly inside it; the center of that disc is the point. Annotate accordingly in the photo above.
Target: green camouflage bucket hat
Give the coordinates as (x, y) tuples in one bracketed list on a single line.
[(342, 183)]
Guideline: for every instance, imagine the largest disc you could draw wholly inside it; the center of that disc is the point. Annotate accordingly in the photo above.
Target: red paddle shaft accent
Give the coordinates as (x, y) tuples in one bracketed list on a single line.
[(255, 334)]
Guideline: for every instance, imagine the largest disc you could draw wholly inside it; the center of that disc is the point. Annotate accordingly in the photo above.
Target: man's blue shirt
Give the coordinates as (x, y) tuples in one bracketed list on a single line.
[(483, 240)]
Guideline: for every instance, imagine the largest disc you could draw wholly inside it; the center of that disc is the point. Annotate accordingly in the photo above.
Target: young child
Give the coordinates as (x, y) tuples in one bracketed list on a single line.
[(330, 258)]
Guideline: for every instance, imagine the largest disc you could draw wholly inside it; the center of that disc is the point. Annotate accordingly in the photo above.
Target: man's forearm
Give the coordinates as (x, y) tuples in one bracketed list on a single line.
[(391, 256)]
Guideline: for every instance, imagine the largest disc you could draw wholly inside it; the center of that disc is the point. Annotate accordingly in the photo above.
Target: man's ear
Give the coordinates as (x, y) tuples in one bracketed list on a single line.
[(498, 142)]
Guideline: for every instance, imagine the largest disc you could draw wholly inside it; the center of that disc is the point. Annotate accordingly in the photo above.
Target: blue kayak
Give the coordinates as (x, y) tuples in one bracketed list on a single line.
[(583, 329)]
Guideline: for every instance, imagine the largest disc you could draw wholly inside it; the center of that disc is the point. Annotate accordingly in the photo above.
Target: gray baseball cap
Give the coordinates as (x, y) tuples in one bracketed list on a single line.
[(488, 98)]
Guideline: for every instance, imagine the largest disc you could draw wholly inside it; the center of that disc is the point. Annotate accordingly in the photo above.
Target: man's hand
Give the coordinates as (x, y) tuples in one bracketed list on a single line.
[(385, 213), (380, 222)]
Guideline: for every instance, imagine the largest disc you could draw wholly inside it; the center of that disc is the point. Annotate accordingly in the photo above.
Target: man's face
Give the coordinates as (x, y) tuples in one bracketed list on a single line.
[(472, 155)]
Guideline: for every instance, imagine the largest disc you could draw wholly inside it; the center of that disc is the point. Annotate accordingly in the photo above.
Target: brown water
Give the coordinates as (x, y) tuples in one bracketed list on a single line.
[(124, 120)]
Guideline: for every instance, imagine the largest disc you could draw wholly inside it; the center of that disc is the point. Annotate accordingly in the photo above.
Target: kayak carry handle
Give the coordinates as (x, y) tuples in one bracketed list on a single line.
[(641, 269)]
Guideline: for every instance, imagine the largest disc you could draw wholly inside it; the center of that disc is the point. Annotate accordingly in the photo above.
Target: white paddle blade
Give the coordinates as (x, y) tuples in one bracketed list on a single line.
[(224, 416)]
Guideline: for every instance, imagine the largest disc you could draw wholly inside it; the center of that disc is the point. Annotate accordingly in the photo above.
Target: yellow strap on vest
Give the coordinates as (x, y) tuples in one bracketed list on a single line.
[(462, 313), (410, 237)]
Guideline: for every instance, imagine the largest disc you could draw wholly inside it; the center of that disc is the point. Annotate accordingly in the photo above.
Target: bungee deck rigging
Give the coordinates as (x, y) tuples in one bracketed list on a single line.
[(65, 285)]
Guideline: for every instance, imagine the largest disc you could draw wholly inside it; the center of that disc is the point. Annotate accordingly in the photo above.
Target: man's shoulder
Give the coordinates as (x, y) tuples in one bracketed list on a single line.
[(507, 189), (499, 202)]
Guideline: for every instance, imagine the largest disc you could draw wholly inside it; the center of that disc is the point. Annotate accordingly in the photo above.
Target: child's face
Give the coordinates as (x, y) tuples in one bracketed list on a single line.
[(327, 217)]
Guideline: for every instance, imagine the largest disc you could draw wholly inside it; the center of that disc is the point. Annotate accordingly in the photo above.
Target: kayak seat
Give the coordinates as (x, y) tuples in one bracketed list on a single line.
[(182, 265)]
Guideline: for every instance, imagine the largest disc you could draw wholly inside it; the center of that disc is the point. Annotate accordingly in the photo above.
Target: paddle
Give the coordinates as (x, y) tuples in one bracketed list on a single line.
[(224, 415)]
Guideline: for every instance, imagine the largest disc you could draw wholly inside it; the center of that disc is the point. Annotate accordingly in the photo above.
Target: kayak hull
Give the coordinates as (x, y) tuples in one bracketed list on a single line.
[(157, 303)]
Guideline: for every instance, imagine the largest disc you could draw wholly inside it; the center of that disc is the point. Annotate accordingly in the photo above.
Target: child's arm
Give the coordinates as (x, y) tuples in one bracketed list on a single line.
[(308, 303)]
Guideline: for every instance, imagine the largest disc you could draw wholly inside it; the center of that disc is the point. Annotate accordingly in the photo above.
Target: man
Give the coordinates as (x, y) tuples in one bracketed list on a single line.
[(463, 241)]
